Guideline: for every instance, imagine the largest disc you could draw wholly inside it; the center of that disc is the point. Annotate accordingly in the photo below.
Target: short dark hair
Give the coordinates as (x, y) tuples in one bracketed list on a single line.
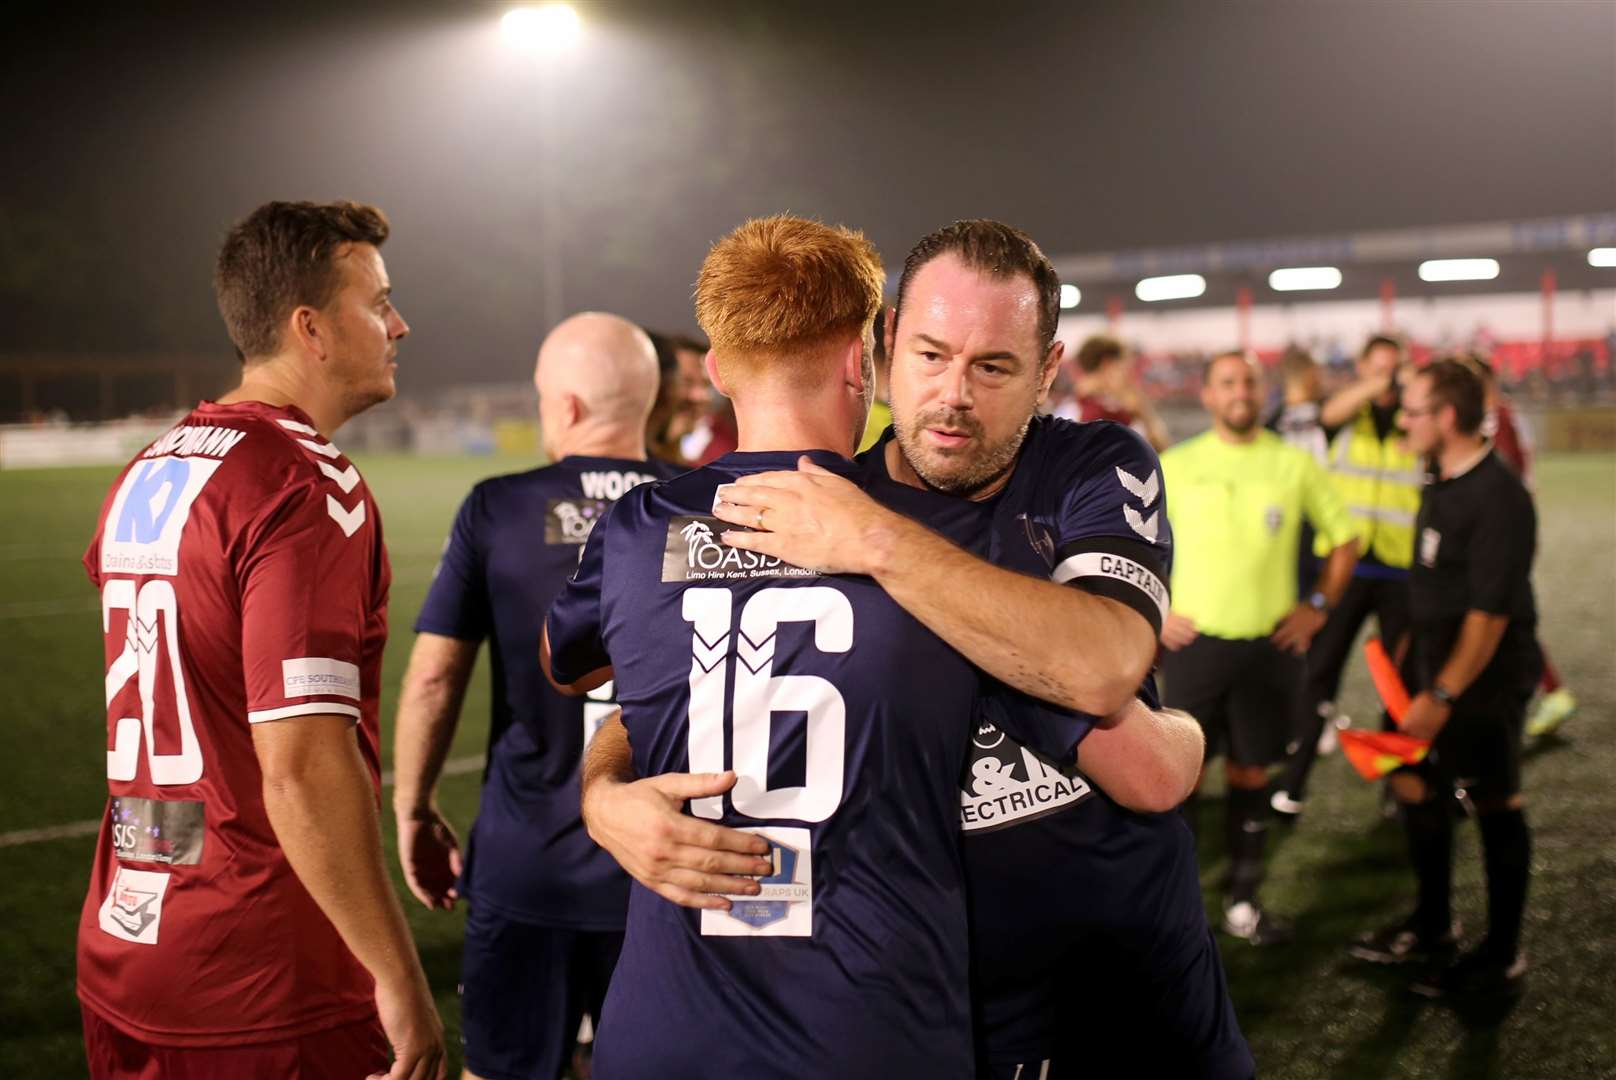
[(878, 354), (997, 249), (1377, 340), (669, 346), (1096, 351), (1455, 382), (282, 257), (1212, 362)]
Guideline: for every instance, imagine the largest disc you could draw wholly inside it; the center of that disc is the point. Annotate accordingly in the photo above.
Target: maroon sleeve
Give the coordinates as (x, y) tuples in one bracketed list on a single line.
[(305, 582)]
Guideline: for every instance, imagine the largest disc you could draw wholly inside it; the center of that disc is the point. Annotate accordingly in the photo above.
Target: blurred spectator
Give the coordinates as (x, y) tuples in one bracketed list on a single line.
[(1297, 421), (1108, 389), (684, 397), (1512, 441), (1380, 481)]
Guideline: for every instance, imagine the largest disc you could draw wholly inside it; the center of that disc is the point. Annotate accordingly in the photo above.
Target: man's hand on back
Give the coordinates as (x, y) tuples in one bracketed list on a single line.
[(811, 518), (642, 825)]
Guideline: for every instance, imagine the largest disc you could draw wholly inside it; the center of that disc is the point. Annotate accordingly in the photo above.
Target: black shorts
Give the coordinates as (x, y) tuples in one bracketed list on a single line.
[(524, 989), (1479, 750), (1244, 694)]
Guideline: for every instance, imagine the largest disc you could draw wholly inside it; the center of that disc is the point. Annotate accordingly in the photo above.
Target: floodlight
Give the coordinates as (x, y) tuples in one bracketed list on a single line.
[(551, 27), (1297, 278), (1070, 297), (1171, 287), (1602, 257), (1458, 269)]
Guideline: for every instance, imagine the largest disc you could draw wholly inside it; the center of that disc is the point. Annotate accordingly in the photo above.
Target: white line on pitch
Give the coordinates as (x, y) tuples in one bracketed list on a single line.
[(452, 767)]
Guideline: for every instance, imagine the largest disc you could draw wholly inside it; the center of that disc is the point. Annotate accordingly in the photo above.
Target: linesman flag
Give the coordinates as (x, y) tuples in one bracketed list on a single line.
[(1376, 753)]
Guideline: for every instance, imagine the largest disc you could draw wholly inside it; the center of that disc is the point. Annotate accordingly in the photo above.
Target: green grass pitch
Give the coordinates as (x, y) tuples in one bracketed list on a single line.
[(1307, 1009)]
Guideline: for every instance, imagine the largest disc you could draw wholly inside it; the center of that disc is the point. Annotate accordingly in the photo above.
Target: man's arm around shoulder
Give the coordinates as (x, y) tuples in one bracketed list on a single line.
[(1147, 760)]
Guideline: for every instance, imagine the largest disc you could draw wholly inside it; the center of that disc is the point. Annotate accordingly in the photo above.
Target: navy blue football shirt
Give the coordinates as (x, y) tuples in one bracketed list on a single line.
[(848, 724), (513, 545), (1078, 904)]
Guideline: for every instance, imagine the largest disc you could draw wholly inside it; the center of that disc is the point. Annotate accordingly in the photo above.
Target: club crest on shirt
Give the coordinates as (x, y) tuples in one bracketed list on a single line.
[(1430, 542), (570, 521), (1005, 783), (693, 552), (1040, 539), (1273, 517)]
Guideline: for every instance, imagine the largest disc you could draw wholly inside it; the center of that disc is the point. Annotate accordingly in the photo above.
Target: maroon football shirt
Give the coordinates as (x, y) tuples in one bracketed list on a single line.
[(243, 580)]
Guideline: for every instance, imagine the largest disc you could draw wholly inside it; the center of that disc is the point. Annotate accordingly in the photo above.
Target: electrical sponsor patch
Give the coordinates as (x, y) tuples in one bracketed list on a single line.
[(694, 553), (570, 521), (784, 907), (1005, 783), (142, 533), (156, 830), (133, 909), (308, 676)]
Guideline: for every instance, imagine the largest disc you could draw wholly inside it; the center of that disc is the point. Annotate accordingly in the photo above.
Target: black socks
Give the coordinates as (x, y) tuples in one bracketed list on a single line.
[(1430, 847), (1247, 827), (1506, 845)]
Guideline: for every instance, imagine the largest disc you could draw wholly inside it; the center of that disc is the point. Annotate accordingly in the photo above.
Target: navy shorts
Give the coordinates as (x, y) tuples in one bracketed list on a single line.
[(1161, 1015), (524, 989)]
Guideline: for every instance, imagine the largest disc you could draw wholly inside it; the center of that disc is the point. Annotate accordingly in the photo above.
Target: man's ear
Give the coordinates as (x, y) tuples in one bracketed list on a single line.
[(1052, 366), (710, 363), (853, 365), (306, 328)]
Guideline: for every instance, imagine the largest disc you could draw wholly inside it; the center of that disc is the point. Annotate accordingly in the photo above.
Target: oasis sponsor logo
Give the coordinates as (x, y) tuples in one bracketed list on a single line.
[(156, 830), (570, 521), (611, 485), (1006, 783), (694, 553)]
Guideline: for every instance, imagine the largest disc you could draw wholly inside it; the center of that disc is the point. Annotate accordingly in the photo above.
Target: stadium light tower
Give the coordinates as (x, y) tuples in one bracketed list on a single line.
[(552, 30), (549, 27)]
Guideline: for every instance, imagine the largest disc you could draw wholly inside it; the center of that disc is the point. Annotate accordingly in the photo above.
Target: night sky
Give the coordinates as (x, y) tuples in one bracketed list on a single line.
[(132, 140)]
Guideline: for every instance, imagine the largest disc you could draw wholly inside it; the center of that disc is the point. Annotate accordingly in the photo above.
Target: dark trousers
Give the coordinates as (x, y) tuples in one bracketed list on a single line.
[(1327, 658)]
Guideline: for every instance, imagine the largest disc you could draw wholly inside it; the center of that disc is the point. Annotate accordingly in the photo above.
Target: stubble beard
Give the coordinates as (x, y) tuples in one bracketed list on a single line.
[(974, 470)]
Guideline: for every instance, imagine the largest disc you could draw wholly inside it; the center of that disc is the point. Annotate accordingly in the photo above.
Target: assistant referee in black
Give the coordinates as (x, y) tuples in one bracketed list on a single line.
[(1472, 659)]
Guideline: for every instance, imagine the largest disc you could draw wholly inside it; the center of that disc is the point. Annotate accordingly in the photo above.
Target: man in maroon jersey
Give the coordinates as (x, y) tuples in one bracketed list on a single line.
[(240, 921)]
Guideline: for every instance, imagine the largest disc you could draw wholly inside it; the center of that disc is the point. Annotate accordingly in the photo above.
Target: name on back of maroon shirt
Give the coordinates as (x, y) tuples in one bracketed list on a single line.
[(191, 441)]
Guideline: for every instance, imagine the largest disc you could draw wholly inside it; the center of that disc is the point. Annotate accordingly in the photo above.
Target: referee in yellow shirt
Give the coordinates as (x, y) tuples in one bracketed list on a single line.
[(1237, 636)]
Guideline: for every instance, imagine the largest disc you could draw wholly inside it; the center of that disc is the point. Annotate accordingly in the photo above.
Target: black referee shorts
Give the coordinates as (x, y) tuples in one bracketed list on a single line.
[(1479, 749), (1243, 692)]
